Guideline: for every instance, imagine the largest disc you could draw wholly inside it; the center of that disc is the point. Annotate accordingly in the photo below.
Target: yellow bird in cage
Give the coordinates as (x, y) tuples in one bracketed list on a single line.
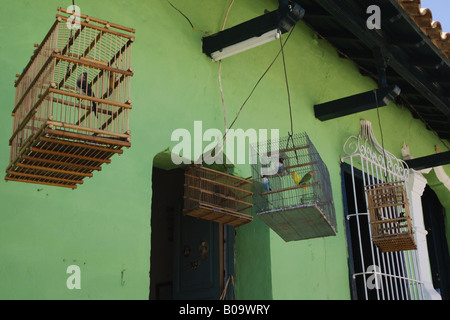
[(302, 181)]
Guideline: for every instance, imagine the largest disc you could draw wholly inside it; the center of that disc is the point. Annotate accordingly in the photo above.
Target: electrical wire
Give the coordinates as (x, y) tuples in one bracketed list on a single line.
[(188, 20), (381, 133), (291, 133), (220, 73), (259, 80), (192, 26), (287, 86), (71, 36)]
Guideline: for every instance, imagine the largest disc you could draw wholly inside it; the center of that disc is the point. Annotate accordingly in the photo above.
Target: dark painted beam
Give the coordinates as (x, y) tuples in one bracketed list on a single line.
[(350, 16), (424, 37), (435, 160), (356, 103)]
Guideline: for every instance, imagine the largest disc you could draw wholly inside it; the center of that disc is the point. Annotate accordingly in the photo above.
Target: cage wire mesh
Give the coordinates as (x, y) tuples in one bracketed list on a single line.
[(295, 211)]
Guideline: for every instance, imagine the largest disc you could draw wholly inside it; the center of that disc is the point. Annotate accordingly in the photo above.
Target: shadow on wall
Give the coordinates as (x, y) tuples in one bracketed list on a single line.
[(253, 262)]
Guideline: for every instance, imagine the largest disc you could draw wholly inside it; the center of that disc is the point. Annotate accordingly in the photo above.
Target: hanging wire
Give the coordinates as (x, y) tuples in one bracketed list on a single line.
[(220, 72), (257, 83), (188, 20), (192, 26), (287, 86), (381, 132), (290, 134), (71, 37)]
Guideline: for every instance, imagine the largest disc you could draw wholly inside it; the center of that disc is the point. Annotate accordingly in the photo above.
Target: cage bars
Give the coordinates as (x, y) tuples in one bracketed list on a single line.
[(51, 104), (294, 211), (217, 196)]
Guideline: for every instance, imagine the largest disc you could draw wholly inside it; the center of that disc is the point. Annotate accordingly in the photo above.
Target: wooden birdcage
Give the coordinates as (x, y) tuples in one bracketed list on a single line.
[(72, 102), (294, 211), (390, 218), (217, 196)]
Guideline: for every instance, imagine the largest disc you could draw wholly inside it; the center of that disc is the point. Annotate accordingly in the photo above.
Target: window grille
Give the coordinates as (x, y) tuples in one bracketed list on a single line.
[(375, 274)]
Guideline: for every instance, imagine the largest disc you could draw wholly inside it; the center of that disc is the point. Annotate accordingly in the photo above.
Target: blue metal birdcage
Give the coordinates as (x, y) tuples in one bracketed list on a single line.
[(293, 208)]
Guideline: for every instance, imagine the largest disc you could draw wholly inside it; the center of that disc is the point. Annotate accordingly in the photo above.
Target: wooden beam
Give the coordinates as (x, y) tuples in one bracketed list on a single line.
[(435, 160), (356, 103), (350, 15)]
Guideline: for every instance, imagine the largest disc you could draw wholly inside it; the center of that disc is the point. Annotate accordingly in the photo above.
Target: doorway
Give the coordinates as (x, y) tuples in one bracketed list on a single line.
[(190, 258), (434, 220)]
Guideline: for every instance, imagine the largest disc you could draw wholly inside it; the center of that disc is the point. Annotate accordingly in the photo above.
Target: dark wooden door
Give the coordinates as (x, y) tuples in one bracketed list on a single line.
[(434, 219)]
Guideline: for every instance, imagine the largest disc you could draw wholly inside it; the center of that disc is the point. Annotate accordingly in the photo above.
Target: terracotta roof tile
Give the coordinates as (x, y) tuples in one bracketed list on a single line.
[(424, 19)]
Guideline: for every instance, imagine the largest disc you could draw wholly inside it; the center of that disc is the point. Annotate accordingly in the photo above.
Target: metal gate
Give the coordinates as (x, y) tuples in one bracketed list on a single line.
[(374, 275)]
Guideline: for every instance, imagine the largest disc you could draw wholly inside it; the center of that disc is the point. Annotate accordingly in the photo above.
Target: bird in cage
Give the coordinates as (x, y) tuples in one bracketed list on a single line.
[(266, 183), (112, 82), (280, 165), (86, 89), (302, 181)]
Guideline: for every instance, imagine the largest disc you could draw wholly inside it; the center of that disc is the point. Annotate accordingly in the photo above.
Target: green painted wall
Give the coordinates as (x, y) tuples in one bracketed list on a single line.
[(104, 225)]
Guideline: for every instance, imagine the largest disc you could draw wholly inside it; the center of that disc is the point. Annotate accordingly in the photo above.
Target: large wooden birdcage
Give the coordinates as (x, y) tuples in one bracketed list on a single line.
[(72, 103), (217, 196)]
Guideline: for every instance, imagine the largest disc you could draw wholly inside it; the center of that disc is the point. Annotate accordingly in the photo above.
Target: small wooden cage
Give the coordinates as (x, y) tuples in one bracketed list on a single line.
[(390, 218), (294, 211), (72, 102), (217, 196)]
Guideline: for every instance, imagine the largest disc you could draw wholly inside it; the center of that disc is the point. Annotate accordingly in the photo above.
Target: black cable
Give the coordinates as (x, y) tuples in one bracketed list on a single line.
[(259, 80), (290, 134), (382, 140), (287, 86), (71, 36), (192, 26)]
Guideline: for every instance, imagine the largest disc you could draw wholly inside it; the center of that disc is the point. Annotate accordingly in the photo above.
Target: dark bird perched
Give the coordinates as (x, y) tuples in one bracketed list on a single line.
[(86, 89), (112, 82), (266, 183), (280, 165)]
